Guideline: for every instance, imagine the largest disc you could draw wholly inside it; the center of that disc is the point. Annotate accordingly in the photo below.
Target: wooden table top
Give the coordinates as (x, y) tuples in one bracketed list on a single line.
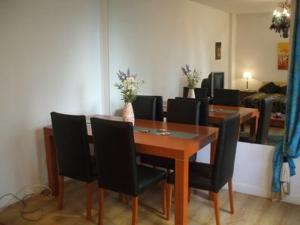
[(218, 112), (166, 146)]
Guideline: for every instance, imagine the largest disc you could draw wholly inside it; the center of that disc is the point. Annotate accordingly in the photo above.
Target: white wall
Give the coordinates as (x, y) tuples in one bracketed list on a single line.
[(155, 38), (49, 61), (256, 50)]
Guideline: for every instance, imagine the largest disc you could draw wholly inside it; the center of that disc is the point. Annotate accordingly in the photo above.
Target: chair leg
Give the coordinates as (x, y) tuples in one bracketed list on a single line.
[(163, 190), (135, 206), (215, 197), (101, 205), (89, 200), (231, 198), (169, 188), (61, 193)]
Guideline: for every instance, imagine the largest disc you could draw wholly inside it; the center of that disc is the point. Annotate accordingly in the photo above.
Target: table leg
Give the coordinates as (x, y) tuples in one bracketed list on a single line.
[(213, 150), (51, 163), (181, 192), (253, 126)]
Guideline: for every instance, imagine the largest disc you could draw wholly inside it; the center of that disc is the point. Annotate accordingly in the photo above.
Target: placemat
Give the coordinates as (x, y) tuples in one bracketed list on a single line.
[(163, 132), (223, 110)]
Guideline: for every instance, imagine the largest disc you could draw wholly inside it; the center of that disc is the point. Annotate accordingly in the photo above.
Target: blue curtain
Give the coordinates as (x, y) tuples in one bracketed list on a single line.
[(289, 148)]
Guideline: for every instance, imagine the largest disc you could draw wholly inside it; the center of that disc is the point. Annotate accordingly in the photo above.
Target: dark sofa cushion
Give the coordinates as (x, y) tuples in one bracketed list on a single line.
[(282, 90), (269, 88)]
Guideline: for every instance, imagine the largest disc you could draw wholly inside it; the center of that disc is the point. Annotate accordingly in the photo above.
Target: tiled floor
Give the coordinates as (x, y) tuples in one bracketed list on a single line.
[(249, 210)]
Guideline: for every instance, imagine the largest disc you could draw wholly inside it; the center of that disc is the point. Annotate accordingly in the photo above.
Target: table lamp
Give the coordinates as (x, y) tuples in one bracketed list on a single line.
[(247, 75)]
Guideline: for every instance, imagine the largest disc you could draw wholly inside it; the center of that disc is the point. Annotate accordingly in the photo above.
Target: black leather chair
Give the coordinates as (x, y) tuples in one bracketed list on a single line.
[(148, 107), (159, 108), (116, 163), (203, 111), (213, 177), (214, 81), (199, 92), (183, 111), (206, 83), (144, 107), (263, 124), (227, 97), (73, 153), (178, 112)]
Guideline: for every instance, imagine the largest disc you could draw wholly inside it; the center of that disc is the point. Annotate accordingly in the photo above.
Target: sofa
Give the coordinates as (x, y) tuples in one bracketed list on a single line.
[(274, 90)]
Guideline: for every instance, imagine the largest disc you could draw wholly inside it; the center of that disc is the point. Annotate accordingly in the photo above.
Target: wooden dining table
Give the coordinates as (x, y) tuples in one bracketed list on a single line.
[(182, 142), (247, 115), (217, 113)]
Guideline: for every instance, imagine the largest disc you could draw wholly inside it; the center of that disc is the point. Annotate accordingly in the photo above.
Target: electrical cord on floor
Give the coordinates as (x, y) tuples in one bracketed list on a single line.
[(24, 212)]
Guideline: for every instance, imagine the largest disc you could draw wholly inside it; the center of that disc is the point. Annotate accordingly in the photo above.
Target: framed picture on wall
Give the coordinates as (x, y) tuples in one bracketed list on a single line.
[(283, 55), (218, 51)]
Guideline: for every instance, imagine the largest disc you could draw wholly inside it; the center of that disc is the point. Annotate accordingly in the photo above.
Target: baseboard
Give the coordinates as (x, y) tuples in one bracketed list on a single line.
[(252, 190), (292, 199)]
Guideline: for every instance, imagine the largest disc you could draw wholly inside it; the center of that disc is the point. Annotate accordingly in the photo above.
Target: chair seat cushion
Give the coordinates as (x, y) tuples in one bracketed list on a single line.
[(200, 176), (148, 176)]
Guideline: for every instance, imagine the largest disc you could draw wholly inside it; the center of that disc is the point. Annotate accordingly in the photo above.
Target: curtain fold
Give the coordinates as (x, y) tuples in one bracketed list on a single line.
[(289, 148)]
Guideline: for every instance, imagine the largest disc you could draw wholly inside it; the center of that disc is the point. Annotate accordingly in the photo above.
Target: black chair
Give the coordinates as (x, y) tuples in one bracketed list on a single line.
[(148, 107), (227, 97), (116, 163), (159, 108), (183, 111), (73, 154), (215, 80), (213, 177), (218, 79), (263, 124), (144, 107), (178, 112), (203, 111), (199, 92), (206, 84)]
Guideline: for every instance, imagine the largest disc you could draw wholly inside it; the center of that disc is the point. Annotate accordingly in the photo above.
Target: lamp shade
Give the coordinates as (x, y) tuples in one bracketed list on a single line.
[(247, 75)]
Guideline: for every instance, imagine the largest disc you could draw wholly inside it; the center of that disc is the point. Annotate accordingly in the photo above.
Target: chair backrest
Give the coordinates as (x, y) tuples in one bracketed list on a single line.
[(203, 111), (115, 155), (183, 111), (159, 108), (199, 92), (206, 83), (72, 147), (218, 79), (226, 149), (214, 81), (227, 97), (147, 99), (144, 107), (264, 120)]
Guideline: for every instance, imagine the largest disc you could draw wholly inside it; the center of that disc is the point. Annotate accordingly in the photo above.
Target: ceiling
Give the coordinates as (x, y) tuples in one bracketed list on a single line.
[(242, 6)]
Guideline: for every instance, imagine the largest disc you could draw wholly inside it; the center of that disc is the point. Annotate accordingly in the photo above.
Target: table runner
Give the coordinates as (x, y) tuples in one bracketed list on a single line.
[(170, 133)]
